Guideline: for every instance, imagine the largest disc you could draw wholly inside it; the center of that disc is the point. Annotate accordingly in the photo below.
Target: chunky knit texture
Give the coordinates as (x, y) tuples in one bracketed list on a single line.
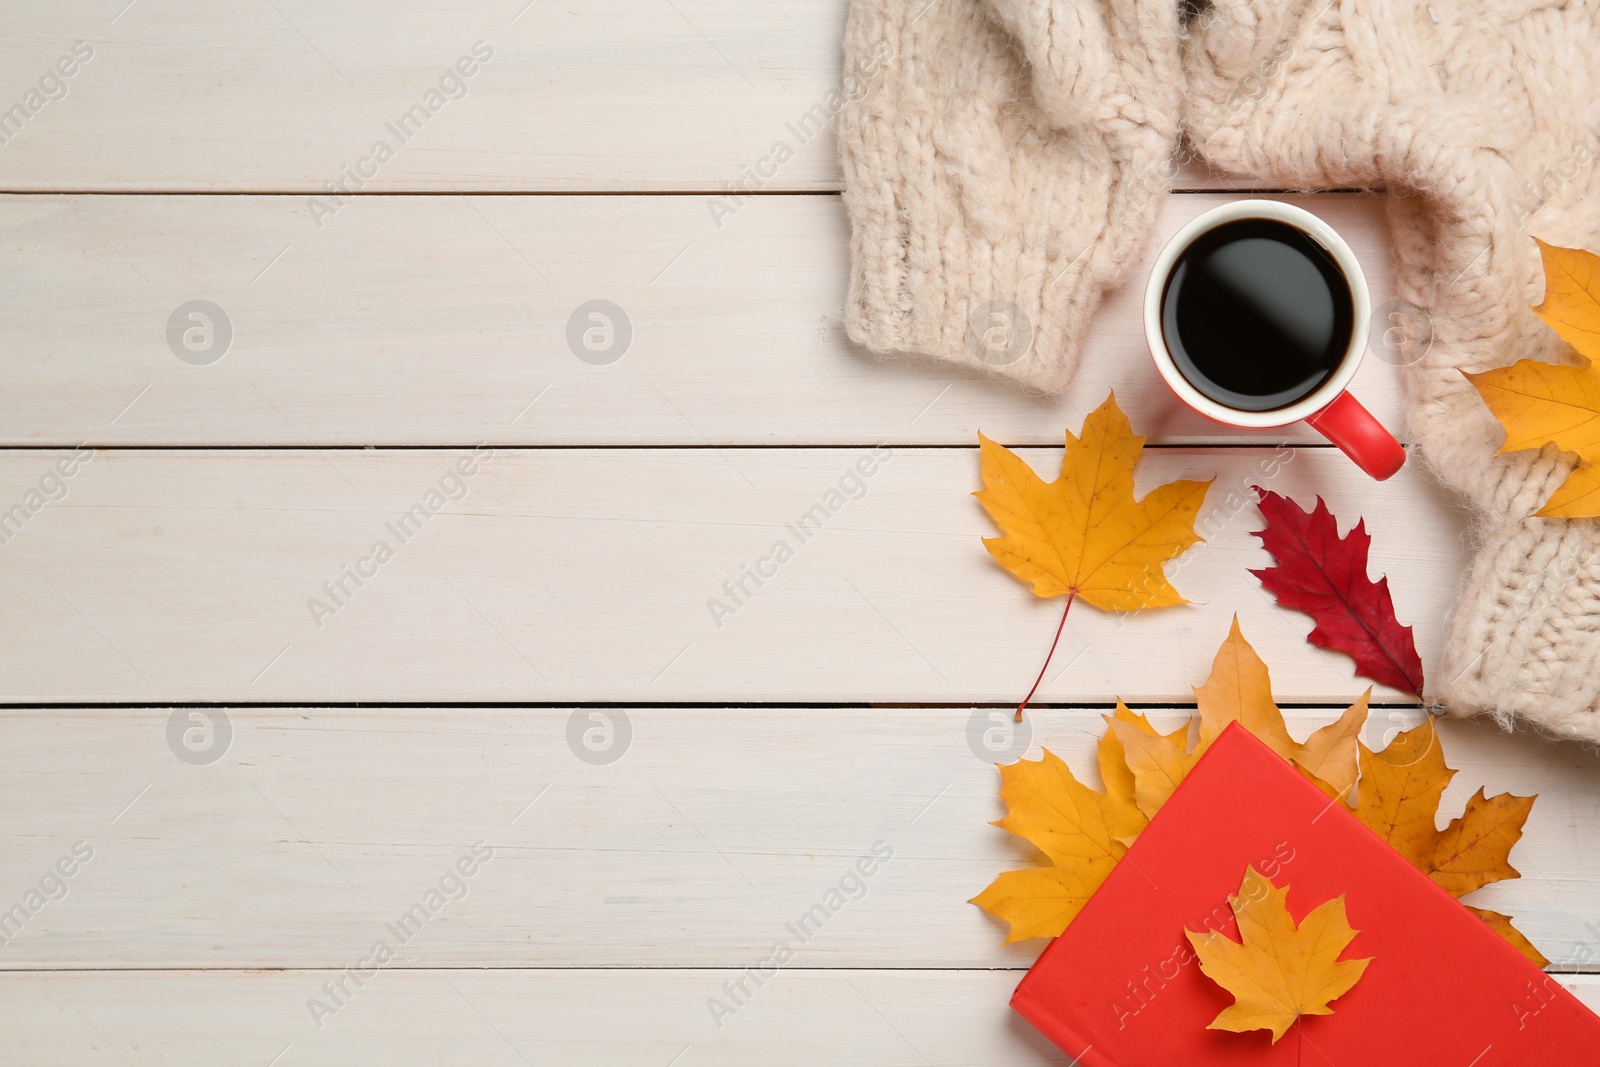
[(1006, 138), (1000, 169)]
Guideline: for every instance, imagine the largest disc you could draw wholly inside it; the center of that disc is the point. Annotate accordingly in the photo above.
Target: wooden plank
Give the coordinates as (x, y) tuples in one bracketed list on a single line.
[(433, 320), (406, 1017), (621, 575), (835, 1018), (614, 95), (709, 830)]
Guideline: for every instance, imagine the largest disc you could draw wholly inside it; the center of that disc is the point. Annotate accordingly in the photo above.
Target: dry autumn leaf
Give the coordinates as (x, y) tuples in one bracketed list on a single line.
[(1398, 800), (1084, 832), (1085, 534), (1281, 971), (1316, 571), (1240, 690), (1542, 403), (1501, 924), (1576, 498), (1156, 762), (1571, 296)]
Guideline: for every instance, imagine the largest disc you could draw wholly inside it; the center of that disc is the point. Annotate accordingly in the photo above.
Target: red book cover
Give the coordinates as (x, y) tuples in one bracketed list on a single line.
[(1121, 987)]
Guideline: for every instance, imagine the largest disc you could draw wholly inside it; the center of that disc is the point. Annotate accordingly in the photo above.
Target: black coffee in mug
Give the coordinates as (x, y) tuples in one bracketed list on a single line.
[(1256, 314)]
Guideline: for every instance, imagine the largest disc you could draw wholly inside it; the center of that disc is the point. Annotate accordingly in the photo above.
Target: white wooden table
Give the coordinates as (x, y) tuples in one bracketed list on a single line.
[(264, 788)]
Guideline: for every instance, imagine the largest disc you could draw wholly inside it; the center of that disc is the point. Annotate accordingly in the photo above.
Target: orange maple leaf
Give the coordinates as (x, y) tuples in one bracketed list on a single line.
[(1400, 791), (1084, 832)]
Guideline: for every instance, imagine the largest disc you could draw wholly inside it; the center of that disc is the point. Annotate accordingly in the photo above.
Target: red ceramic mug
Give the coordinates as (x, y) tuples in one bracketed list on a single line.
[(1327, 407)]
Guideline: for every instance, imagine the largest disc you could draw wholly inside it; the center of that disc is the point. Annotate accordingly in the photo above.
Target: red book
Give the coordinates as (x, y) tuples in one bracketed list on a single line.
[(1114, 990)]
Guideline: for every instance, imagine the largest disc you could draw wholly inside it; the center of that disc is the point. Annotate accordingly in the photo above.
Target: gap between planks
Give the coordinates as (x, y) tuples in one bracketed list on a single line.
[(512, 591)]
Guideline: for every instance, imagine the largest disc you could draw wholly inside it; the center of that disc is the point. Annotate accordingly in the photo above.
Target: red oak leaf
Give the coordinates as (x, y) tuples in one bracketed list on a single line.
[(1325, 576)]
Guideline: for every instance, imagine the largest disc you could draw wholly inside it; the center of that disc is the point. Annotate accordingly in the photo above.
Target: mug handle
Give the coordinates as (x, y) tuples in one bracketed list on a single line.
[(1360, 436)]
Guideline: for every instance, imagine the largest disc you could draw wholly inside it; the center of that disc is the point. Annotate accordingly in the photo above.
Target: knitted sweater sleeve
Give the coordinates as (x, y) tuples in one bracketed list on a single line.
[(1475, 117), (1003, 160)]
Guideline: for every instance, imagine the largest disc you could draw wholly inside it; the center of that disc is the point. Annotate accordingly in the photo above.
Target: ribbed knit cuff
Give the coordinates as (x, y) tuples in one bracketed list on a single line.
[(985, 225), (952, 294), (1524, 642)]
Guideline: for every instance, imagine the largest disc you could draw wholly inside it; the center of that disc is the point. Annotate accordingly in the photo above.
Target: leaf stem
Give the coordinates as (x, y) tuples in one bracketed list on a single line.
[(1025, 700)]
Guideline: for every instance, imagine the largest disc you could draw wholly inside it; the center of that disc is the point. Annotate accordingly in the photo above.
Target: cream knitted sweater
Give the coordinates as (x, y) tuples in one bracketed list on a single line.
[(1003, 169)]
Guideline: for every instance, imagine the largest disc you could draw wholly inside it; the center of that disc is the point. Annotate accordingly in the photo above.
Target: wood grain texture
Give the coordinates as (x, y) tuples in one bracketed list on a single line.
[(280, 97), (626, 575), (314, 830), (620, 893), (512, 1019), (432, 320)]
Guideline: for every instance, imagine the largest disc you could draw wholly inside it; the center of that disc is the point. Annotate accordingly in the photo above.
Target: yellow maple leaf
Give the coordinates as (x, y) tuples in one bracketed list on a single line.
[(1281, 971), (1329, 757), (1239, 690), (1042, 901), (1115, 773), (1156, 762), (1571, 296), (1084, 534), (1083, 833), (1542, 403), (1061, 816), (1576, 498)]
